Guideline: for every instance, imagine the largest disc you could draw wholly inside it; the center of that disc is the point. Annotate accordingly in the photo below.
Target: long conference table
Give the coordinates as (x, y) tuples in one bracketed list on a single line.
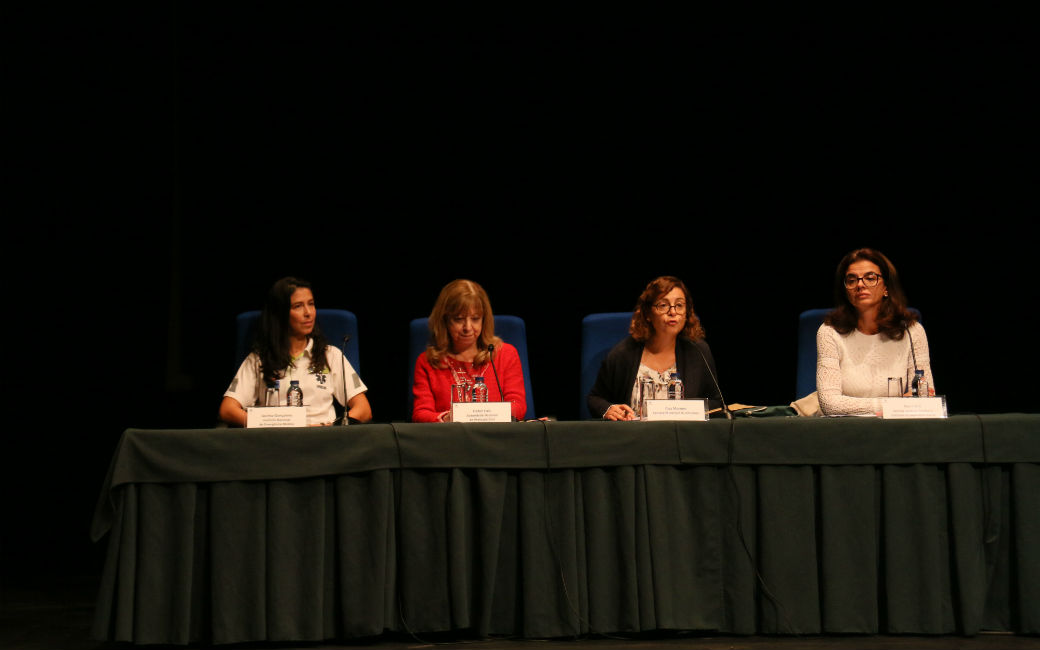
[(780, 525)]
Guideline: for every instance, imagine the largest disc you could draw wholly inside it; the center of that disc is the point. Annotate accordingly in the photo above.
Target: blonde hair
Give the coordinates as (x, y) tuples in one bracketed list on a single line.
[(459, 297)]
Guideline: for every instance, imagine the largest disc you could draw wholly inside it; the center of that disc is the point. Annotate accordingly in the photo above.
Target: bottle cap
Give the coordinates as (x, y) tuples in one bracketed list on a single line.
[(294, 382), (479, 379)]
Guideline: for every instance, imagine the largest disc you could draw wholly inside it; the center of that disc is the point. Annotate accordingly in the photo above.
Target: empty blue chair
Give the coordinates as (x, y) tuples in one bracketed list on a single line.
[(510, 329), (809, 322), (599, 333), (334, 324)]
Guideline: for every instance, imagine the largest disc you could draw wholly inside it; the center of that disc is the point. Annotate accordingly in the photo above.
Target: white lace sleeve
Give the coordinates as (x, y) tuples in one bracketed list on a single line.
[(828, 379)]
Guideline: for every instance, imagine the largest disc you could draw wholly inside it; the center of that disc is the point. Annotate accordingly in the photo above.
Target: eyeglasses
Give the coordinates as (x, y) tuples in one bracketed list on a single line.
[(869, 280), (664, 308)]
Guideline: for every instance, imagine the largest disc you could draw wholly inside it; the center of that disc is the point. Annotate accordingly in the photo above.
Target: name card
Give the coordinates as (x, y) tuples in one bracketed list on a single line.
[(906, 408), (482, 412), (275, 416), (676, 409)]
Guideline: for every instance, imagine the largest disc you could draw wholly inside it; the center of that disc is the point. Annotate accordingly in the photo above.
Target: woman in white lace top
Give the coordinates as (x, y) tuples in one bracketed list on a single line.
[(869, 337)]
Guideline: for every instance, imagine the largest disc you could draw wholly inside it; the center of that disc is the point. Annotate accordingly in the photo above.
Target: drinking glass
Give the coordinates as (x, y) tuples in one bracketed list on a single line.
[(895, 386)]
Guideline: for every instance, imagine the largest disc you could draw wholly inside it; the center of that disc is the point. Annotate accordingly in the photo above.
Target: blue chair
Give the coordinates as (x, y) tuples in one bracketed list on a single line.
[(599, 333), (510, 329), (809, 322), (334, 324)]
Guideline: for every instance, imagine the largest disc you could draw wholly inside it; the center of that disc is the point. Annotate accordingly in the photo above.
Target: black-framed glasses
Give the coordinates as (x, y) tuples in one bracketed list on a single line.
[(869, 280), (664, 308)]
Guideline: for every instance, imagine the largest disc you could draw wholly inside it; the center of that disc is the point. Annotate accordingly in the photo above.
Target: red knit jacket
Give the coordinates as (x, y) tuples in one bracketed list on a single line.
[(432, 387)]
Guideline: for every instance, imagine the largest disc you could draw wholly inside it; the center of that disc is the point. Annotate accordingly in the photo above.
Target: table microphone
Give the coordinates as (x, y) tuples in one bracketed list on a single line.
[(343, 374), (491, 355), (725, 409), (906, 326)]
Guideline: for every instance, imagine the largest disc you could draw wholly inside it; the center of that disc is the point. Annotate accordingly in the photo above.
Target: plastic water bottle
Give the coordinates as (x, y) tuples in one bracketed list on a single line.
[(294, 396), (919, 387), (271, 399), (675, 387), (480, 390)]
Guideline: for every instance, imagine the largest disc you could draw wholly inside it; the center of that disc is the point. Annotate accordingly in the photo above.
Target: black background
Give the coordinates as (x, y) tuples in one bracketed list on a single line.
[(170, 164)]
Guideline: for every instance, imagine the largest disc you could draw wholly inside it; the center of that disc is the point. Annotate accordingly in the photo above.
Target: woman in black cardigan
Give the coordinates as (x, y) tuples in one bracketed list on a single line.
[(665, 337)]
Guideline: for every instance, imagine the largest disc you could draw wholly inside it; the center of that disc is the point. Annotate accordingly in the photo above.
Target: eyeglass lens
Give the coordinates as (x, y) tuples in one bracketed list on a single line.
[(870, 280)]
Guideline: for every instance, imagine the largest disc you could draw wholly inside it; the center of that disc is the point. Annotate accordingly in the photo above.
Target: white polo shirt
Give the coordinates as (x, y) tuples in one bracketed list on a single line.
[(319, 388)]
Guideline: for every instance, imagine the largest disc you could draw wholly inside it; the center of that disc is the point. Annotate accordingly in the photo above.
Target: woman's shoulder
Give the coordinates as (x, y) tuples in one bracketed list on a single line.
[(826, 329), (916, 329), (507, 348), (693, 343), (423, 360)]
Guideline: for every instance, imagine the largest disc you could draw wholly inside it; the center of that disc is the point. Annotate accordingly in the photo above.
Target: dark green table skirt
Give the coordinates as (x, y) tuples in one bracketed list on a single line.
[(770, 526)]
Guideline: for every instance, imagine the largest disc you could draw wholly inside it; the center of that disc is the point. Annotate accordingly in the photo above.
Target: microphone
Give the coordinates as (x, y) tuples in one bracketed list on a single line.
[(725, 409), (491, 355), (913, 353), (343, 376)]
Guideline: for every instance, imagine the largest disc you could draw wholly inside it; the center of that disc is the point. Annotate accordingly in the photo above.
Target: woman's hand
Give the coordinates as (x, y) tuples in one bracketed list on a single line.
[(619, 412)]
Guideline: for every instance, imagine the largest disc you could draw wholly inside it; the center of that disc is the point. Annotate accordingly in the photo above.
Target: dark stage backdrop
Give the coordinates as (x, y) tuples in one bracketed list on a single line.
[(173, 164)]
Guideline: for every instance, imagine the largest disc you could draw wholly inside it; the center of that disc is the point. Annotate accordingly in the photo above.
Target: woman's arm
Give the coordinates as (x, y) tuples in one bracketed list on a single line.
[(424, 404), (920, 354), (359, 409), (242, 391), (232, 412), (601, 397), (507, 362)]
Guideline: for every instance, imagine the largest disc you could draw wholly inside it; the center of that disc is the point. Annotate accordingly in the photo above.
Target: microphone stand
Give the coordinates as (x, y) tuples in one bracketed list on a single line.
[(913, 354), (491, 356), (725, 409), (343, 377)]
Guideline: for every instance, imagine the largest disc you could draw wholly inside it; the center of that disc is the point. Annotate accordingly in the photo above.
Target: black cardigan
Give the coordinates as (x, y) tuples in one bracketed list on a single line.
[(617, 374)]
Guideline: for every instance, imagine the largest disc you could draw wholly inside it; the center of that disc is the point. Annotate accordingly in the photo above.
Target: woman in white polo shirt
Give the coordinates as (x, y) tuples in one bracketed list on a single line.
[(290, 346)]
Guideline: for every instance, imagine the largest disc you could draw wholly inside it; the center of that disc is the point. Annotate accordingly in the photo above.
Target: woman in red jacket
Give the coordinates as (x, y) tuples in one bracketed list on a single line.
[(462, 333)]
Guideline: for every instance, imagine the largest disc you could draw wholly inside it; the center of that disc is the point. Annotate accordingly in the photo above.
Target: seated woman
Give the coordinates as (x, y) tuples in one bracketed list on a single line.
[(665, 336), (290, 346), (869, 337), (462, 329)]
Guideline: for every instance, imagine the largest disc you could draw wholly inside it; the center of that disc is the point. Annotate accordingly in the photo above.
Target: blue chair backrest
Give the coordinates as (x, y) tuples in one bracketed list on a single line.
[(510, 329), (809, 322), (334, 324), (599, 333)]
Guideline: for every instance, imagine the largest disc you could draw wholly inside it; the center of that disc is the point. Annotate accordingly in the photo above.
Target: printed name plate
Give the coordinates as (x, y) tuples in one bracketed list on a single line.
[(482, 412), (907, 408), (276, 416), (676, 409)]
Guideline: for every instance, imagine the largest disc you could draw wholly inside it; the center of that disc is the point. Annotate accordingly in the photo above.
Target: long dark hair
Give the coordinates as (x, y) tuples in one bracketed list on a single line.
[(893, 316), (272, 335)]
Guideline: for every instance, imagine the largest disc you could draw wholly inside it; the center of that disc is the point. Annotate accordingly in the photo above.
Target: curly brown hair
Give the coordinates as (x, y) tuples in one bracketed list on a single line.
[(641, 328), (893, 317)]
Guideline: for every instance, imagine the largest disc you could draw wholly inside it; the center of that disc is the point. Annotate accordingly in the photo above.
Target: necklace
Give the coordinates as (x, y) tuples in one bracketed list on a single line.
[(459, 373)]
